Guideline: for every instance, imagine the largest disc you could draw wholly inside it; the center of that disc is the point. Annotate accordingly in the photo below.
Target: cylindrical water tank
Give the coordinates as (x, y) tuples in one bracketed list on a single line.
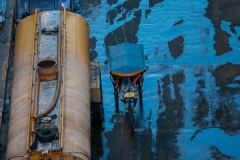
[(75, 91)]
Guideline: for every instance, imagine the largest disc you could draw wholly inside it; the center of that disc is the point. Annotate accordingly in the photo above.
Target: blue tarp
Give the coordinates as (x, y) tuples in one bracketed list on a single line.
[(126, 58)]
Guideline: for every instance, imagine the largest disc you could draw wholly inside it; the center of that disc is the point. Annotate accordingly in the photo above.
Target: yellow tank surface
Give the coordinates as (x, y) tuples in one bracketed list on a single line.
[(50, 96)]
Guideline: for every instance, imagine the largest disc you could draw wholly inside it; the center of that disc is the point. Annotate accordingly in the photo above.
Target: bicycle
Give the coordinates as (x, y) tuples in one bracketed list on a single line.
[(129, 100)]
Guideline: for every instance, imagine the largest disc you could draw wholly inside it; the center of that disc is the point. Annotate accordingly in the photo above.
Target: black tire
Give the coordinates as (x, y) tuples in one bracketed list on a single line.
[(131, 116), (116, 99), (132, 120), (46, 135)]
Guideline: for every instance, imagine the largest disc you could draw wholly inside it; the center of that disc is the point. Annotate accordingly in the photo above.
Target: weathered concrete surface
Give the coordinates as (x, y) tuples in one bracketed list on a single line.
[(223, 10), (189, 112), (191, 103), (5, 45), (5, 49)]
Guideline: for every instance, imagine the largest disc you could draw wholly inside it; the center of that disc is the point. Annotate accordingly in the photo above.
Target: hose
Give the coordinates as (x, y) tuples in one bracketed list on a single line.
[(57, 91), (52, 105)]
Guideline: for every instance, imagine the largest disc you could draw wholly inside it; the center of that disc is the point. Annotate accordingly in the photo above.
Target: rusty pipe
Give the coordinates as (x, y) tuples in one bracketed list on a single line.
[(52, 105), (61, 48), (35, 46), (36, 97)]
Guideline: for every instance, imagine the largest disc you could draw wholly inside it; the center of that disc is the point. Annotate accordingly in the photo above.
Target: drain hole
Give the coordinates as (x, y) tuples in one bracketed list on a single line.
[(46, 63), (47, 69)]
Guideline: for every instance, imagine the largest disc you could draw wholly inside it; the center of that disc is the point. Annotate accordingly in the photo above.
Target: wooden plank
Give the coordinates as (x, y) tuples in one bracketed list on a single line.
[(96, 95), (94, 74), (95, 82)]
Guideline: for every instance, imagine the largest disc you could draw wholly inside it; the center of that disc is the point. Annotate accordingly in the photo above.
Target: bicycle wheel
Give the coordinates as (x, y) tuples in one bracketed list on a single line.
[(116, 99), (131, 116)]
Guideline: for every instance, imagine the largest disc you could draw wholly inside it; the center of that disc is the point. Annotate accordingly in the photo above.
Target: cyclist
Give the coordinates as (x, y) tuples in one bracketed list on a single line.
[(127, 85)]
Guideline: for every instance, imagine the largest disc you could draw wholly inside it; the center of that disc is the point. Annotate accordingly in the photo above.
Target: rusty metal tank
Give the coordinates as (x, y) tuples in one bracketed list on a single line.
[(50, 96)]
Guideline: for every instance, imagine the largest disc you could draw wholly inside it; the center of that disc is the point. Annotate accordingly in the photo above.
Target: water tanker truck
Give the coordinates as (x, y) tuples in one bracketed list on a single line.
[(54, 84)]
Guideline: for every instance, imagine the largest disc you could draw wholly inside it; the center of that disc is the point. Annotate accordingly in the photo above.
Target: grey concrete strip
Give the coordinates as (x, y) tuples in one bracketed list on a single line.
[(5, 45)]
